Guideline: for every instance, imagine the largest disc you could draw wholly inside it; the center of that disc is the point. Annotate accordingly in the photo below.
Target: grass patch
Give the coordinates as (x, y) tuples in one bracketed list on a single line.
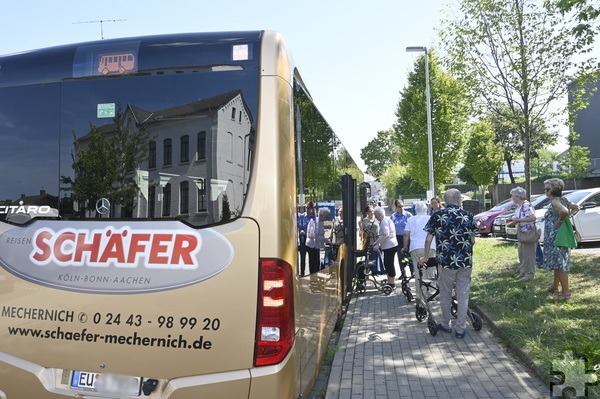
[(527, 316)]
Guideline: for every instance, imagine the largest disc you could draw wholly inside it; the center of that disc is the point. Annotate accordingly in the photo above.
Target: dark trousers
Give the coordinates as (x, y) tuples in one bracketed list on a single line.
[(403, 259), (314, 259), (302, 252), (388, 261)]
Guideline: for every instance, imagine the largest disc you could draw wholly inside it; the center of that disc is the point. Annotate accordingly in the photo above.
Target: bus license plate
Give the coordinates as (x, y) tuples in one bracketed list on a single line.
[(106, 383)]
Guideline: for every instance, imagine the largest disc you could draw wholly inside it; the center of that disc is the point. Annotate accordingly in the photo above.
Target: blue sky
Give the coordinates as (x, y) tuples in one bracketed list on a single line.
[(350, 53)]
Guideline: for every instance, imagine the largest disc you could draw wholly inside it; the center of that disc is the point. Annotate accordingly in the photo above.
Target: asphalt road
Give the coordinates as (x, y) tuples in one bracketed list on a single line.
[(591, 248)]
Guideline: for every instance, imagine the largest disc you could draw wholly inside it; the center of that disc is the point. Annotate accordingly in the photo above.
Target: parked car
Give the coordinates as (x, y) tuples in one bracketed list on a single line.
[(587, 221), (485, 220), (539, 203)]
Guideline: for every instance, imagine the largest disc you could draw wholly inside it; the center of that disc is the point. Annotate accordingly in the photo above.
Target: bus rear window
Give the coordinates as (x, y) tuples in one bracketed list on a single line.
[(176, 146)]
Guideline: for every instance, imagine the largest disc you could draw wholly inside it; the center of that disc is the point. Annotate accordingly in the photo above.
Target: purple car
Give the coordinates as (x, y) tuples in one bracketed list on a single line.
[(485, 220)]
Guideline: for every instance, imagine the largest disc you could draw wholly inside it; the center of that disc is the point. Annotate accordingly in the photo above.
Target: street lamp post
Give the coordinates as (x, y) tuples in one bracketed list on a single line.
[(422, 49)]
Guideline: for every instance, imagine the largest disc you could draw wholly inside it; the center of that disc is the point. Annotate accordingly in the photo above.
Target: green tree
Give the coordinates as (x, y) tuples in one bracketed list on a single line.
[(380, 153), (448, 115), (398, 182), (318, 144), (226, 214), (542, 164), (586, 13), (575, 162), (509, 138), (483, 160), (104, 165), (518, 59), (464, 174)]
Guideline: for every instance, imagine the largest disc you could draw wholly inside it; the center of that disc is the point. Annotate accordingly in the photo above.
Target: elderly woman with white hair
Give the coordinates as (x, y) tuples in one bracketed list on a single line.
[(386, 242), (527, 233), (315, 240), (414, 241)]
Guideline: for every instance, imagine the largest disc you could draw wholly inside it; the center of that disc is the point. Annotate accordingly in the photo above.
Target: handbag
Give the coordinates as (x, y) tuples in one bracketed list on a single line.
[(565, 236), (528, 236)]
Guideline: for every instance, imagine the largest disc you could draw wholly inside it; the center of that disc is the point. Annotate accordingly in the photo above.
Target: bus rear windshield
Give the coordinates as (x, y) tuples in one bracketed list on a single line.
[(141, 146)]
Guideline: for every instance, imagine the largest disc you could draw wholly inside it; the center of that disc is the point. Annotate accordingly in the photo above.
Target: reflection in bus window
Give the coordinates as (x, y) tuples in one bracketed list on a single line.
[(127, 141), (324, 161)]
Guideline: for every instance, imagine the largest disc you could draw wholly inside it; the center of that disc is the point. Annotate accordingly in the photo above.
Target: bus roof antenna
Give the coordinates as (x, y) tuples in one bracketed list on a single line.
[(101, 21)]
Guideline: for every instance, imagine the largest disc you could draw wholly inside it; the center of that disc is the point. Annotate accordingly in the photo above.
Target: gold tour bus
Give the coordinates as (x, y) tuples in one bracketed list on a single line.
[(148, 220)]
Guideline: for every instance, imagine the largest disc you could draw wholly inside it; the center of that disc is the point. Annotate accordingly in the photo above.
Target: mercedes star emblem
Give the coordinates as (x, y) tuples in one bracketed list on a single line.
[(103, 206)]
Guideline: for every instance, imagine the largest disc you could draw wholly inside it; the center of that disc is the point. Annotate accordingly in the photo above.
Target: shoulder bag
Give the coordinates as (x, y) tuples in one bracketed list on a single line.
[(529, 236), (565, 236)]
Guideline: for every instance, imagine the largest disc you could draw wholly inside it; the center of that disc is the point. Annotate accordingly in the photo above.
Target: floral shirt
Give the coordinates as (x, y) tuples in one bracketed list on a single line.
[(525, 210), (453, 228)]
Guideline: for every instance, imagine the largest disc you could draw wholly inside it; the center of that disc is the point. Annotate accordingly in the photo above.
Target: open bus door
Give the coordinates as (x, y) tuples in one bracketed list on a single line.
[(350, 233)]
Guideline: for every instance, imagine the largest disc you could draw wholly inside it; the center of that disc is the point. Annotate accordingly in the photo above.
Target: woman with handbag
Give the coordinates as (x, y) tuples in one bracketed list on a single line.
[(527, 233), (556, 257)]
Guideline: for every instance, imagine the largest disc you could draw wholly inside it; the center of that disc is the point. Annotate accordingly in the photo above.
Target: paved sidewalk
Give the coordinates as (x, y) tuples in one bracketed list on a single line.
[(384, 352)]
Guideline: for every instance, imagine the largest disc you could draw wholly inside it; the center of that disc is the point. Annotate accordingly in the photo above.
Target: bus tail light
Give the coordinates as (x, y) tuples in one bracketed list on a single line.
[(275, 316)]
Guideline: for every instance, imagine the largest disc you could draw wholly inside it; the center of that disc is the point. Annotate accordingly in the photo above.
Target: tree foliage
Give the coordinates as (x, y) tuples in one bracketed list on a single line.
[(398, 182), (542, 164), (104, 165), (510, 140), (448, 114), (586, 13), (380, 153), (575, 162), (482, 159), (518, 59)]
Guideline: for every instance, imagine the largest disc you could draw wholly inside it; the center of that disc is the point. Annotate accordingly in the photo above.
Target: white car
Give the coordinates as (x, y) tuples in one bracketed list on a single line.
[(587, 220)]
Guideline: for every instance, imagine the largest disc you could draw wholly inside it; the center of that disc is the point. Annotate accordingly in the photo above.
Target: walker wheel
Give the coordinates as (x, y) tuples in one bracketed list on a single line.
[(432, 326), (420, 311), (360, 288), (477, 322), (387, 289)]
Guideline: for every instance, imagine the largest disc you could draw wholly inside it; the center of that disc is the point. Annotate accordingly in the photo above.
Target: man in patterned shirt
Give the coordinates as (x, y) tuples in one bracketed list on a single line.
[(454, 232)]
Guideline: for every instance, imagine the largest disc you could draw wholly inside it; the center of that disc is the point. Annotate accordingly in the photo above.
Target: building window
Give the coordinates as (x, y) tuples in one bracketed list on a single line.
[(168, 149), (239, 151), (201, 145), (184, 197), (152, 154), (185, 148), (201, 195), (233, 113), (229, 151), (240, 120), (151, 200), (166, 205)]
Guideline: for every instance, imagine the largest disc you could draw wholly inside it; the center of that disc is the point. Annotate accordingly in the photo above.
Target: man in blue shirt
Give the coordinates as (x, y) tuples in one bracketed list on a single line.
[(303, 218), (400, 217), (454, 232)]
